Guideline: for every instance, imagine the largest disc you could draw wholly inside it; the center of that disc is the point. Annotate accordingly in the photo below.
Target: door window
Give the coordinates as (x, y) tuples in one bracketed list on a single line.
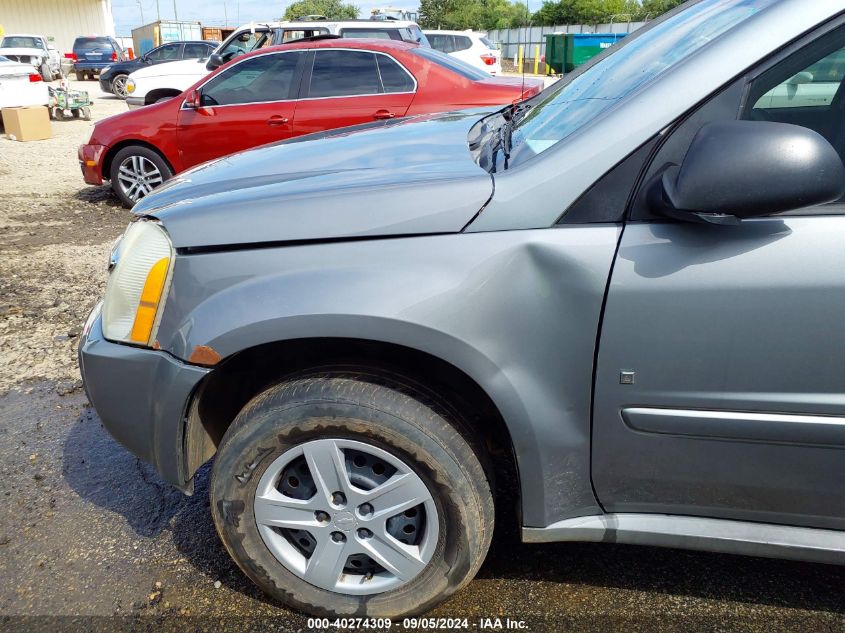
[(442, 42), (377, 34), (244, 43), (462, 43), (394, 78), (290, 36), (197, 51), (167, 52), (340, 73), (812, 87), (255, 80)]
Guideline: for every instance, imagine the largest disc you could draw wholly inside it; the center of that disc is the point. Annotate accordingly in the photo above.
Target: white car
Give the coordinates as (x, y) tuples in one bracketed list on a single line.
[(35, 51), (21, 85), (811, 88), (468, 46), (165, 81)]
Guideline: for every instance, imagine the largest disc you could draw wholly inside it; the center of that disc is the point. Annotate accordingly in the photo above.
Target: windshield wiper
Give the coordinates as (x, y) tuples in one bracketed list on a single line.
[(506, 132)]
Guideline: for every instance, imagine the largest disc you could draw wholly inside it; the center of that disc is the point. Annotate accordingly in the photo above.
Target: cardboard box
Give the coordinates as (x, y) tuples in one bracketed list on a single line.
[(27, 124)]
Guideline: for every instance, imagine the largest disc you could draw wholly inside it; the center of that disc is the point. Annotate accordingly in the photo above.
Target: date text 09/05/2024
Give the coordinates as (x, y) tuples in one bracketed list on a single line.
[(418, 623)]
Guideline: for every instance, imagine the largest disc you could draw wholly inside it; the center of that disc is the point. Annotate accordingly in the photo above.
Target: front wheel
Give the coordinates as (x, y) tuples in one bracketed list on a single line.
[(136, 171), (118, 86), (342, 494)]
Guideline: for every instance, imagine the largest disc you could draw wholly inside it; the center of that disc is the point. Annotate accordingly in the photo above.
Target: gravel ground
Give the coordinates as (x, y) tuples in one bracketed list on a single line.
[(55, 235), (91, 539)]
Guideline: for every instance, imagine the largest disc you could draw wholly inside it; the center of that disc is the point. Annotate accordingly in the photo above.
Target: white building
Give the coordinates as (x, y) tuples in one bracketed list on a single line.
[(61, 21)]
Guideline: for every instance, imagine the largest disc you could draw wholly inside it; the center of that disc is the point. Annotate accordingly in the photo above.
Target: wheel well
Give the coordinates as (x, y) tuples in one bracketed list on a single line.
[(112, 151), (154, 95), (234, 382)]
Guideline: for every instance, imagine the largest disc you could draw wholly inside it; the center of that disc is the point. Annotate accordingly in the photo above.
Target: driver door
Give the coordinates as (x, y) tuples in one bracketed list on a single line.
[(720, 384), (250, 103)]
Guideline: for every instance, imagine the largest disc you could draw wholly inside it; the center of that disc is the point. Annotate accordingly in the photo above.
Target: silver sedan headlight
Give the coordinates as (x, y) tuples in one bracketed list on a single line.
[(139, 280)]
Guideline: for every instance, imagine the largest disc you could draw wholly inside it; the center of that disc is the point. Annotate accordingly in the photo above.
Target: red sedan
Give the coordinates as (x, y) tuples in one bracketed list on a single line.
[(281, 92)]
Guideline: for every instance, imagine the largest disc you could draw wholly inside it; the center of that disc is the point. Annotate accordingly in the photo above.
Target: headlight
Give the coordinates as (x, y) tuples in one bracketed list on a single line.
[(130, 85), (138, 282)]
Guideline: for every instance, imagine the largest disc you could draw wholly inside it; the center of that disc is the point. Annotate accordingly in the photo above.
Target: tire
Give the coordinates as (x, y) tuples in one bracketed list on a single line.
[(366, 418), (46, 75), (141, 160), (118, 86), (60, 114), (79, 76)]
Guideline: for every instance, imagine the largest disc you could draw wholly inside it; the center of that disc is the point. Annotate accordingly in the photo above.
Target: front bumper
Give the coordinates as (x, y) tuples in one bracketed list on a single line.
[(91, 164), (105, 85), (142, 397)]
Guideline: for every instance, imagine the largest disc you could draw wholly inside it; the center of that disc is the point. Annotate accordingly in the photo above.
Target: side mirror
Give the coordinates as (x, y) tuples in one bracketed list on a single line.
[(743, 169), (804, 77), (215, 61), (192, 99)]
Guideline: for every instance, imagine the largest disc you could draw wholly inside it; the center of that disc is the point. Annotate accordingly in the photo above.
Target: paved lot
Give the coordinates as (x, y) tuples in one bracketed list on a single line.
[(90, 538)]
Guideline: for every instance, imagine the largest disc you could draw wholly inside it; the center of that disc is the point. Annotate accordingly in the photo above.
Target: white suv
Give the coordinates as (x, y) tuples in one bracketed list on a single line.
[(165, 81), (468, 46)]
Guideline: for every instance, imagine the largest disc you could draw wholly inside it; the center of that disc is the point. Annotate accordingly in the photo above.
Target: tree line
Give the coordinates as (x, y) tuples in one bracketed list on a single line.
[(484, 15)]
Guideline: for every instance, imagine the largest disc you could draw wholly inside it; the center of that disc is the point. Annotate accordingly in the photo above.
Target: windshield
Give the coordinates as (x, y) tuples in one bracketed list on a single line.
[(558, 112), (452, 63), (17, 41)]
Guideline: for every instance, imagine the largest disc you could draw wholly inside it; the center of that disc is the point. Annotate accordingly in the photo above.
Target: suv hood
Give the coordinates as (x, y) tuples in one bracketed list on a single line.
[(194, 67), (407, 177)]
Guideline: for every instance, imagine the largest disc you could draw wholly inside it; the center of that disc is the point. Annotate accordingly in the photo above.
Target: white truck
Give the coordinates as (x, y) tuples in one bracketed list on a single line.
[(165, 81), (34, 50)]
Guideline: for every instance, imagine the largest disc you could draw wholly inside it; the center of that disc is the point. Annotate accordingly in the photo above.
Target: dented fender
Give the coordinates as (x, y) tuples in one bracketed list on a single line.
[(461, 298)]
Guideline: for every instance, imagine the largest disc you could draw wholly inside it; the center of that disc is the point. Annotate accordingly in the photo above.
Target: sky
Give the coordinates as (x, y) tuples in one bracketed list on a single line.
[(127, 13)]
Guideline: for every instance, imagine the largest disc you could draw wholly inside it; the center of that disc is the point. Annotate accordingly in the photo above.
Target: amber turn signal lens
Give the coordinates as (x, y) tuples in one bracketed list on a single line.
[(148, 307)]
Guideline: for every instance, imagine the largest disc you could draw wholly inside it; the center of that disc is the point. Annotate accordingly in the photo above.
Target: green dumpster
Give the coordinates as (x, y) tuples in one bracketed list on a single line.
[(556, 52), (566, 51)]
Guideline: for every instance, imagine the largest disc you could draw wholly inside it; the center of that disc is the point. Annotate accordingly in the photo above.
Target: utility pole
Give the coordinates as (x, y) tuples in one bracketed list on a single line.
[(175, 13), (141, 7), (225, 15), (158, 12)]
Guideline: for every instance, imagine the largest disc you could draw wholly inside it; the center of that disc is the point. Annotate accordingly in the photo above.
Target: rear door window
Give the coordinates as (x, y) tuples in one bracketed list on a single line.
[(442, 42), (462, 43), (195, 50), (343, 73), (377, 34), (286, 35), (168, 52)]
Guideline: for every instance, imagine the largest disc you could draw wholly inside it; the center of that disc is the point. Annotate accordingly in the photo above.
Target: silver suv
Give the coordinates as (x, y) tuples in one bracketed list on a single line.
[(620, 300)]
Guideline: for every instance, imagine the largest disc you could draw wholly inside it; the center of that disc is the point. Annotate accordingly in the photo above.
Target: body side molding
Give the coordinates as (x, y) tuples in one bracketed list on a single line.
[(712, 535)]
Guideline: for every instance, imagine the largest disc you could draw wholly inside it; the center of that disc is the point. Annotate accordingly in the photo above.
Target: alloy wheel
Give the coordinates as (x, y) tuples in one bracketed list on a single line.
[(137, 176), (346, 516), (119, 86)]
